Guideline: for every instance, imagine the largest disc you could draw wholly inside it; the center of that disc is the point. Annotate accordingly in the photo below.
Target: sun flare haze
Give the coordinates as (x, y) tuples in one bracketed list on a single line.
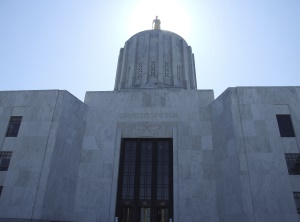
[(172, 15), (57, 44)]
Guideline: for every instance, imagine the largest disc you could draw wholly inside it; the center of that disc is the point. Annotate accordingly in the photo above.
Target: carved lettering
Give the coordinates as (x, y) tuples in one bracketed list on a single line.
[(148, 115)]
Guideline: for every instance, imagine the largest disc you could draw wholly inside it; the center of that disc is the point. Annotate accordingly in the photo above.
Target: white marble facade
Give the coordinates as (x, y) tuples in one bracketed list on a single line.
[(228, 155)]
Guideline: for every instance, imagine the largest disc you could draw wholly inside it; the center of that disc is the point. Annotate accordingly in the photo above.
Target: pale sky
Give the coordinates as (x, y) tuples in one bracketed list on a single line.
[(74, 44)]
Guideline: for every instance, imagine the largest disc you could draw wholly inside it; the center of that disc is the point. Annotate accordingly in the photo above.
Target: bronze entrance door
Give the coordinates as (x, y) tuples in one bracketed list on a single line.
[(145, 184)]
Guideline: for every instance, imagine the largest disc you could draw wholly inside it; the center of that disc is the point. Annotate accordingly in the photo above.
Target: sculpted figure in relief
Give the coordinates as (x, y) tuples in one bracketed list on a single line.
[(156, 23)]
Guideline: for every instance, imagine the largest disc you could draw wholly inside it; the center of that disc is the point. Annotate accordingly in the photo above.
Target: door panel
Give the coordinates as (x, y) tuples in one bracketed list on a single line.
[(162, 215), (127, 214), (145, 184), (145, 215)]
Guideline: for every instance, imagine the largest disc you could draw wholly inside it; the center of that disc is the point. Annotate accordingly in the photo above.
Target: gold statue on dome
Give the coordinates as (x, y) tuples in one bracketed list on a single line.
[(156, 23)]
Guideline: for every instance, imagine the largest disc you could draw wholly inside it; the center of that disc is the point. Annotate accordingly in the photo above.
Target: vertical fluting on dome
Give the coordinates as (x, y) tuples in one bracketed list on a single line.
[(156, 59)]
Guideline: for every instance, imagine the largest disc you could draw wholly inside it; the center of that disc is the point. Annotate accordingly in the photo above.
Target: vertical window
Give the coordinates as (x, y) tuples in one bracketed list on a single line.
[(163, 172), (5, 160), (145, 171), (285, 125), (1, 188), (129, 171), (293, 163), (145, 185), (297, 201), (14, 126)]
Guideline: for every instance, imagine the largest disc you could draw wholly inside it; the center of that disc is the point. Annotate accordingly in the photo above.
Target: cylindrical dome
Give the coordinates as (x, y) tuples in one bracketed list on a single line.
[(156, 59)]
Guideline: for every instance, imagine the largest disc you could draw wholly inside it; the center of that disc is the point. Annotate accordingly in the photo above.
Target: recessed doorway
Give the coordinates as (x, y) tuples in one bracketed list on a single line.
[(145, 183)]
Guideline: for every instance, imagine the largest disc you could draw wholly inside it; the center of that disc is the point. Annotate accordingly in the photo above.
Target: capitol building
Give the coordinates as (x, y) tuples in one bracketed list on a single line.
[(155, 149)]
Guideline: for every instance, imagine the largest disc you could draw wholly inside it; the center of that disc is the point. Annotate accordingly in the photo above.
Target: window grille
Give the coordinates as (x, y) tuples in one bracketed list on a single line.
[(14, 126), (167, 70), (293, 163), (5, 157), (297, 201), (145, 180), (153, 69), (179, 72)]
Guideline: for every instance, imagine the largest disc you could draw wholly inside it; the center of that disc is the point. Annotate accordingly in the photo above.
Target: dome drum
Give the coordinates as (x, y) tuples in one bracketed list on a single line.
[(156, 59)]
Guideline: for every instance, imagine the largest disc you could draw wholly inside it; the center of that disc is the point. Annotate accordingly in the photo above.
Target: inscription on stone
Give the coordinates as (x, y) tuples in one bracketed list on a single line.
[(148, 115)]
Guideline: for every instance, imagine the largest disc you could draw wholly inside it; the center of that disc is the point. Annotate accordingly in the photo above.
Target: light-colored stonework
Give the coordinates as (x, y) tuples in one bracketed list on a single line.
[(156, 59), (228, 156)]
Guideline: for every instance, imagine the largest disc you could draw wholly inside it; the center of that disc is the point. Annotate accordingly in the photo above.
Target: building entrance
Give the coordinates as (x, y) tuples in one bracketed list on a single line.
[(145, 184)]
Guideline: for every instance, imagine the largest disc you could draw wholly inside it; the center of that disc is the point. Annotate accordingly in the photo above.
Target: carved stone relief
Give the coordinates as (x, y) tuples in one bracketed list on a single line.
[(146, 129)]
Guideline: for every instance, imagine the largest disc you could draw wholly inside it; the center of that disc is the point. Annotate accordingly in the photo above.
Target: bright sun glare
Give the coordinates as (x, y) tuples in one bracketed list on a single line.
[(172, 15)]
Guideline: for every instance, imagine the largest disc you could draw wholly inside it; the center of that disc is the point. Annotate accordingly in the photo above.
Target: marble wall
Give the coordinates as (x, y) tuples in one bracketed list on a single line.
[(228, 155), (147, 114), (253, 182), (42, 172)]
